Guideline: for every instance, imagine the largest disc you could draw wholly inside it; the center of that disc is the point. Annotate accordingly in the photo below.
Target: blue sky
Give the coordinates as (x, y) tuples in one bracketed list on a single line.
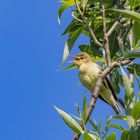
[(31, 81)]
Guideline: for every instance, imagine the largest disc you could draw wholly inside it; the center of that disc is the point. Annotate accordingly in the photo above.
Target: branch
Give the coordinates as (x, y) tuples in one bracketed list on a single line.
[(112, 28), (106, 42), (120, 42), (95, 40), (127, 31), (98, 84)]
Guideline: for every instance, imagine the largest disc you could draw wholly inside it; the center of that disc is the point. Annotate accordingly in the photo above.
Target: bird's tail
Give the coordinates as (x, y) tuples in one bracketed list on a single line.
[(117, 109), (121, 102)]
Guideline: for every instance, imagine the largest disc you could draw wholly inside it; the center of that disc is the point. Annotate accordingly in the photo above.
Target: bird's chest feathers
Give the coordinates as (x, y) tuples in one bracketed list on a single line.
[(88, 75)]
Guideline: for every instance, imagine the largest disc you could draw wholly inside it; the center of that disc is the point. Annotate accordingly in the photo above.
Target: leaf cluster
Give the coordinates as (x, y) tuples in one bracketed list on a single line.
[(122, 19)]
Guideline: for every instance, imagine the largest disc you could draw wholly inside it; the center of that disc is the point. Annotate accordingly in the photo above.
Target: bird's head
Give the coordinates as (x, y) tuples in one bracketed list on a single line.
[(81, 58)]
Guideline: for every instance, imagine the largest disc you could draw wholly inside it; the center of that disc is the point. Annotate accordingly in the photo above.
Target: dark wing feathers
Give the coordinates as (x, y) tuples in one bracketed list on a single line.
[(107, 84), (103, 99), (111, 88)]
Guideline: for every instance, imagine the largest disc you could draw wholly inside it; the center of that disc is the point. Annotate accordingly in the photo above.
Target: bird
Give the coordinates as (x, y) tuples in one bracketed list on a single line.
[(88, 74)]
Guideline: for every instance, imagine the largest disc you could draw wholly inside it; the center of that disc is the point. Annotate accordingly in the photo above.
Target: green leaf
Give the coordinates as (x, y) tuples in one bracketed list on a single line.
[(134, 3), (85, 108), (119, 127), (135, 53), (70, 67), (93, 51), (130, 121), (129, 14), (70, 121), (70, 42), (78, 110), (125, 135), (129, 135), (134, 69), (64, 6), (126, 83), (111, 136), (138, 132), (129, 95), (137, 78), (94, 125), (116, 126), (136, 31), (88, 136), (73, 26), (136, 111), (84, 3), (133, 135), (120, 117), (114, 46)]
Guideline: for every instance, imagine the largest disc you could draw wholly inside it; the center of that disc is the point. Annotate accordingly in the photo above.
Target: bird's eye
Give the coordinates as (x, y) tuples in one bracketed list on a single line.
[(81, 58)]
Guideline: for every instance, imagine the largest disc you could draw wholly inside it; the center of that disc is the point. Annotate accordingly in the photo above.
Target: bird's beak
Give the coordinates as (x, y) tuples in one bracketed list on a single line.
[(75, 59)]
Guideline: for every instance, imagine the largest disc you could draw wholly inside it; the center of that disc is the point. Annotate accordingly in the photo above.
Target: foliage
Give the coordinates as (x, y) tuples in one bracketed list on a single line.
[(122, 19)]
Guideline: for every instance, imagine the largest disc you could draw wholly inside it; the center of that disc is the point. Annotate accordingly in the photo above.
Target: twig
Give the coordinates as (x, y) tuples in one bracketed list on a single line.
[(98, 84), (120, 42), (106, 42), (127, 31), (87, 25), (76, 17), (112, 28)]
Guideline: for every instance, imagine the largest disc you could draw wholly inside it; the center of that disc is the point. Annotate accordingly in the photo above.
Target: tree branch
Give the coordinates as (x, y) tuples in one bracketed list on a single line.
[(106, 42), (127, 31), (95, 40), (112, 28), (98, 84), (110, 65)]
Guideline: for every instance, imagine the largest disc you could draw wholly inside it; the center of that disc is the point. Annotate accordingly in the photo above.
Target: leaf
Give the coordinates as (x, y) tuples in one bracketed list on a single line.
[(138, 132), (137, 78), (134, 69), (120, 117), (70, 67), (135, 53), (130, 121), (129, 95), (136, 32), (88, 136), (111, 136), (133, 134), (64, 6), (70, 121), (116, 126), (114, 46), (94, 125), (73, 26), (129, 14), (125, 135), (126, 83), (129, 135), (93, 51), (134, 3), (84, 3), (85, 108), (70, 42), (136, 111), (78, 110)]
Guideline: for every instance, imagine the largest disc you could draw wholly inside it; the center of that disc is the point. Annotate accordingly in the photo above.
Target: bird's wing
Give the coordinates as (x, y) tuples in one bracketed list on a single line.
[(107, 83), (103, 99)]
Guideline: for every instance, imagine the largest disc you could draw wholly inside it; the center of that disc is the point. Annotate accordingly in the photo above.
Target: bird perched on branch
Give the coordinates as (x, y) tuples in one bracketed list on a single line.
[(88, 74)]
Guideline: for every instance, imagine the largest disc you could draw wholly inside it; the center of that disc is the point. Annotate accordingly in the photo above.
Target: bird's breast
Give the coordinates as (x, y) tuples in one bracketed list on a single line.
[(88, 80), (88, 74)]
